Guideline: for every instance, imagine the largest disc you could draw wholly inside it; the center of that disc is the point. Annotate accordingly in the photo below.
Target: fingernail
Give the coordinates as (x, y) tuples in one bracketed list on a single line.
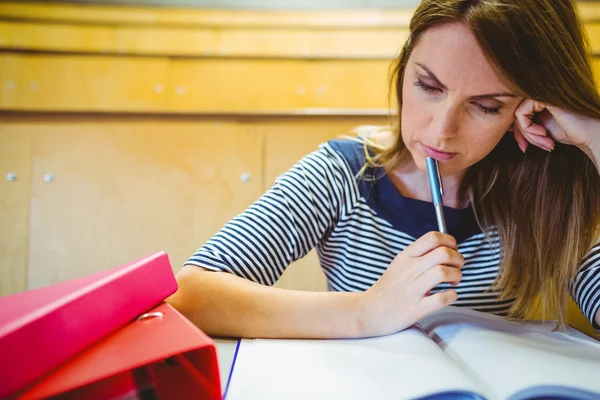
[(522, 147)]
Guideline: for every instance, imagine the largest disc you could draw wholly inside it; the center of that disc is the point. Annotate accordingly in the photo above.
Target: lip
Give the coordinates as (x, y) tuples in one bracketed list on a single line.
[(437, 154)]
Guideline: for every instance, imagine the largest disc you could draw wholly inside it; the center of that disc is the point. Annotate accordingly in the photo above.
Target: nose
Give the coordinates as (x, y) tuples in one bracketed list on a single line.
[(445, 122)]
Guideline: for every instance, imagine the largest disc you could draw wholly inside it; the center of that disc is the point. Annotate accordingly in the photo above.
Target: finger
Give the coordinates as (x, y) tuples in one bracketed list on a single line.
[(429, 242), (521, 141), (525, 112), (543, 142), (434, 276), (435, 302), (524, 117), (440, 256)]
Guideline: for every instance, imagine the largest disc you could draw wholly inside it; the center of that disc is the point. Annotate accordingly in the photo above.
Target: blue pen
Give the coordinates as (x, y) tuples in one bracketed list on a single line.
[(437, 190)]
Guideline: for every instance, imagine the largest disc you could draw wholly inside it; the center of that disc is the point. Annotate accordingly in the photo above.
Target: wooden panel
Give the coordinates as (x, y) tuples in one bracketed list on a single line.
[(222, 33), (122, 15), (589, 10), (310, 43), (275, 85), (240, 85), (118, 14), (122, 190), (220, 42), (95, 83), (124, 84), (593, 31), (349, 84), (57, 37), (15, 158), (106, 39), (381, 43), (128, 84), (200, 42), (285, 144), (11, 80)]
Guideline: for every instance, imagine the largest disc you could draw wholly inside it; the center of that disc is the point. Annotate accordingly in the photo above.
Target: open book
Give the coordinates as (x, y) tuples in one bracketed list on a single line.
[(455, 353)]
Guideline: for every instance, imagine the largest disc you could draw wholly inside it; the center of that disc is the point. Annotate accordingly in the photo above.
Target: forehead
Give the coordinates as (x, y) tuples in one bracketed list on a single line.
[(452, 53)]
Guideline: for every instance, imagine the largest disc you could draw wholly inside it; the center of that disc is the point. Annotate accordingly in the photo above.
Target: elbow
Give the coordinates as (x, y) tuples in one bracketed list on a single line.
[(184, 299), (195, 298)]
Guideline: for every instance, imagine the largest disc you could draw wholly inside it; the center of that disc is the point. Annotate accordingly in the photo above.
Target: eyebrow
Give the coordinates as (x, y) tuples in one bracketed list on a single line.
[(479, 96)]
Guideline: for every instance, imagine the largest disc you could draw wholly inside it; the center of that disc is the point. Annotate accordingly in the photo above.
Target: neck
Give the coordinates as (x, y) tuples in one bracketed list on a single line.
[(412, 182)]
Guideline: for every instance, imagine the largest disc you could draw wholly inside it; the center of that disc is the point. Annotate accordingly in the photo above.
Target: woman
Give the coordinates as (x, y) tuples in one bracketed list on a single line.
[(501, 93)]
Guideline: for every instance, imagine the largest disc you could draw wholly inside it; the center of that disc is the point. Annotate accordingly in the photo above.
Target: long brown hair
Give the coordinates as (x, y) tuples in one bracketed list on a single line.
[(545, 206)]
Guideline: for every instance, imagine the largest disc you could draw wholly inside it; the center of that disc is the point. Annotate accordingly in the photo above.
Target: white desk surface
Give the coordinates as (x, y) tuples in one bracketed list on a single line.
[(225, 353)]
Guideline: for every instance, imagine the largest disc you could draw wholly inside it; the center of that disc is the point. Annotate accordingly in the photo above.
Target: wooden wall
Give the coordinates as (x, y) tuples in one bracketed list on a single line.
[(127, 130)]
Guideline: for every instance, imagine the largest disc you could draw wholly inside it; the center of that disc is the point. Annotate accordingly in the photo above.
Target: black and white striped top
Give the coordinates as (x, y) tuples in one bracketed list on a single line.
[(358, 226)]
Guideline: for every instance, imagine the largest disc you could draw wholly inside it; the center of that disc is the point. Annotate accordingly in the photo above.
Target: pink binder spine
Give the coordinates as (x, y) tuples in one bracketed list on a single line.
[(40, 339)]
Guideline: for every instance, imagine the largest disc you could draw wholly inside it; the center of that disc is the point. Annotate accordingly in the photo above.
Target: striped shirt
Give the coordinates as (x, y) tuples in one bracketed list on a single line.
[(358, 226)]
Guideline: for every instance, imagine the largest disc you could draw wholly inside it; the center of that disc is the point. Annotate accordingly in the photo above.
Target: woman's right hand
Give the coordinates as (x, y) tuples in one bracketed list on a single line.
[(402, 296)]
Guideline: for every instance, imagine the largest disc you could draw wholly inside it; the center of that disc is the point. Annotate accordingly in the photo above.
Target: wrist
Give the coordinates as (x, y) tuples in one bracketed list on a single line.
[(361, 315), (593, 152), (359, 321)]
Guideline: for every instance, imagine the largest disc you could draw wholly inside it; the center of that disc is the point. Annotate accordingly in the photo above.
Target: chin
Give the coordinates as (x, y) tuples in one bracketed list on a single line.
[(418, 156)]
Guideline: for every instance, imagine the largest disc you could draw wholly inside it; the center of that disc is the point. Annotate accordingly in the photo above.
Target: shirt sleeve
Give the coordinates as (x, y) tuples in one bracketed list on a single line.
[(585, 287), (285, 223)]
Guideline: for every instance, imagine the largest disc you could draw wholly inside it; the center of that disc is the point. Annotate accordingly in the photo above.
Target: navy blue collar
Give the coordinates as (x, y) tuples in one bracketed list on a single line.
[(411, 216), (417, 217)]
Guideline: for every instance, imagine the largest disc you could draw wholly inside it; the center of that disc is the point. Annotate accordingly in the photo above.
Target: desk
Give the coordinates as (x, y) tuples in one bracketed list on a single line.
[(225, 353)]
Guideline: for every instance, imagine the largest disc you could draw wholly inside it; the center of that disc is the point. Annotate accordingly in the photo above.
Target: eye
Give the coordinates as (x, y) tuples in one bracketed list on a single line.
[(425, 87), (488, 110)]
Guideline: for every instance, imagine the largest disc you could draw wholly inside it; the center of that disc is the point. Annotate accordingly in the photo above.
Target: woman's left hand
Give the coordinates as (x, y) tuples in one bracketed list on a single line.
[(541, 125)]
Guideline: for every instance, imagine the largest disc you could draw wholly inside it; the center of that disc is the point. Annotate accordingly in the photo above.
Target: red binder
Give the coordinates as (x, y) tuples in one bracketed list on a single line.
[(42, 328), (162, 355)]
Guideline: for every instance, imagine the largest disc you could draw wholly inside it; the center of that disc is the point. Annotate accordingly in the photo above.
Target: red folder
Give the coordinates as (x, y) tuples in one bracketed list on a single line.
[(42, 328), (162, 355)]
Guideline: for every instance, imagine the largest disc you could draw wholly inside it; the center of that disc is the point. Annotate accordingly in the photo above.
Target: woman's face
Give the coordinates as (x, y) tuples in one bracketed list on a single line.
[(455, 108)]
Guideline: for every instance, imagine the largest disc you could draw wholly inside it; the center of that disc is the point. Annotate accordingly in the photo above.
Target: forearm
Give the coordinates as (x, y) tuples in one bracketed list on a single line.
[(222, 304)]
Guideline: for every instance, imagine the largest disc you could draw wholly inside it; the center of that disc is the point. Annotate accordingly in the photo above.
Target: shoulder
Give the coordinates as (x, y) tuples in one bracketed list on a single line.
[(352, 149)]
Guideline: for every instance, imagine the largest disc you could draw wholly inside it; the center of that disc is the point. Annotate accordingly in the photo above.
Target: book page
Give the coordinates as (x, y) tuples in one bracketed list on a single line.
[(517, 359), (406, 365)]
